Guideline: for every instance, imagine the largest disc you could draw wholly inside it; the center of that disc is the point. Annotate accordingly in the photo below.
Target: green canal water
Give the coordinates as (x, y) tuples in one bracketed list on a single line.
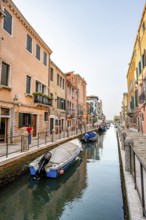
[(89, 190)]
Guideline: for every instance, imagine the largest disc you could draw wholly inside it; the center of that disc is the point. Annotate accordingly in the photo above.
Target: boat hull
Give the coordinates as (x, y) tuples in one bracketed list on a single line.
[(62, 158), (54, 173)]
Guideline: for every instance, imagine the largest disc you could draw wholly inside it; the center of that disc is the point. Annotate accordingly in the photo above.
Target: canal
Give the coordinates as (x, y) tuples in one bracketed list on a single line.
[(90, 189)]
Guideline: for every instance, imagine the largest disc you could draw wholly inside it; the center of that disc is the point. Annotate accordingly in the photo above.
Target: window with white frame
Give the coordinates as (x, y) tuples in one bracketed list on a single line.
[(39, 87), (45, 59), (29, 43), (5, 74), (51, 74), (7, 24), (58, 79), (38, 51), (28, 84), (46, 116), (63, 84)]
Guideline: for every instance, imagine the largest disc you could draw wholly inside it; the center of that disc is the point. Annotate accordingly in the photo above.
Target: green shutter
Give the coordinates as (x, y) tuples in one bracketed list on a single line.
[(132, 102), (20, 120)]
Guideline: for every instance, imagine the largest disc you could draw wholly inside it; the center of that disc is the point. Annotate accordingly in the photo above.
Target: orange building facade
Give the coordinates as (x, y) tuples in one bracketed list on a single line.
[(33, 89), (24, 70)]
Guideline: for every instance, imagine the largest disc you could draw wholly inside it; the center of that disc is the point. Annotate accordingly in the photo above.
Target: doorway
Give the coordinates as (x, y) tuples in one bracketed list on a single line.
[(3, 129), (34, 122), (51, 124)]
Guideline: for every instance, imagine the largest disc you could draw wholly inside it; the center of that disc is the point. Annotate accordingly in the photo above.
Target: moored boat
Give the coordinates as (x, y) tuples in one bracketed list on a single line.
[(90, 137), (57, 160)]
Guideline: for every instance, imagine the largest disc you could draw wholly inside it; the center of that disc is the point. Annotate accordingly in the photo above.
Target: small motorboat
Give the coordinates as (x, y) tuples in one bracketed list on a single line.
[(101, 130), (90, 137), (56, 161)]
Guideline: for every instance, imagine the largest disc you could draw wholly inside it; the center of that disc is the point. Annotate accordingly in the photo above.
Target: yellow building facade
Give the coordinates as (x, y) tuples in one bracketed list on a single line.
[(137, 74)]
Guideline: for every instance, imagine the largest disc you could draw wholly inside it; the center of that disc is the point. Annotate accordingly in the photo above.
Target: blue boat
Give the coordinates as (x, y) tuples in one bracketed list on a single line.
[(90, 137), (57, 160)]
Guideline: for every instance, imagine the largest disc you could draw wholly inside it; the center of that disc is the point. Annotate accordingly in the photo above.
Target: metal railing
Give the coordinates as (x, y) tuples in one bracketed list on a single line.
[(20, 143), (138, 171)]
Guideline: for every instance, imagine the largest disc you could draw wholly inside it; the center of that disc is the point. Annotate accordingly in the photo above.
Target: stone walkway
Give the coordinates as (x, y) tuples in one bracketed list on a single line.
[(134, 204)]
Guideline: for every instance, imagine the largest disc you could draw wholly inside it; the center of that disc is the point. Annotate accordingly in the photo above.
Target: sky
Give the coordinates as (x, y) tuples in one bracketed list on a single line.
[(93, 38)]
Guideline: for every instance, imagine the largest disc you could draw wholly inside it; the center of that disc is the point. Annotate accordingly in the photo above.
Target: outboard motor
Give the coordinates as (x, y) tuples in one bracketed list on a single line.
[(45, 159)]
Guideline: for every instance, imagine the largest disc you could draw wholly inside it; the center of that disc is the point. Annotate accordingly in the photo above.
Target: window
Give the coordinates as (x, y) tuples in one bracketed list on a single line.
[(63, 84), (5, 111), (40, 87), (28, 84), (139, 67), (45, 116), (136, 98), (58, 79), (29, 44), (142, 61), (45, 59), (7, 25), (37, 51), (5, 74), (43, 88), (51, 77), (143, 27), (25, 119), (139, 43)]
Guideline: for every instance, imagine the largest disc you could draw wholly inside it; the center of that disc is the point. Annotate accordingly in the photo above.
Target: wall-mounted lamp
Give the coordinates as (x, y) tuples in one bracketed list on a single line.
[(15, 98)]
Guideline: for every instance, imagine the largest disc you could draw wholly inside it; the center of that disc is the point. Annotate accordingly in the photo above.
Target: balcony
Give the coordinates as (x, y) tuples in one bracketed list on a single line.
[(42, 99), (70, 113), (142, 97), (80, 113)]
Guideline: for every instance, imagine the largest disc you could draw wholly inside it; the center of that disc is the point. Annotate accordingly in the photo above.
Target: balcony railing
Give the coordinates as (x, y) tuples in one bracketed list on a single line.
[(80, 113), (142, 97), (42, 100), (70, 112)]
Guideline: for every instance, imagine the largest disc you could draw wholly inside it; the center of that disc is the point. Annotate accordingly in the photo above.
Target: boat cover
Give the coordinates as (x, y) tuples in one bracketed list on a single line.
[(63, 152), (90, 135)]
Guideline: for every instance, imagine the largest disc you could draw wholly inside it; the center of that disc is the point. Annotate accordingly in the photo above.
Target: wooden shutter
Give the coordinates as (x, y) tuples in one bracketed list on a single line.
[(20, 120)]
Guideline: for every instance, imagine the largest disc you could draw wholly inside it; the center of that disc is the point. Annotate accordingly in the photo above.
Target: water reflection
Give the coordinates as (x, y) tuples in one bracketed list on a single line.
[(85, 191), (44, 199), (91, 151)]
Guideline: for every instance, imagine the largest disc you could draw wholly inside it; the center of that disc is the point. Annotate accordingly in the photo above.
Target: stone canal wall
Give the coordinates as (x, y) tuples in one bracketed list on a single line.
[(13, 167)]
